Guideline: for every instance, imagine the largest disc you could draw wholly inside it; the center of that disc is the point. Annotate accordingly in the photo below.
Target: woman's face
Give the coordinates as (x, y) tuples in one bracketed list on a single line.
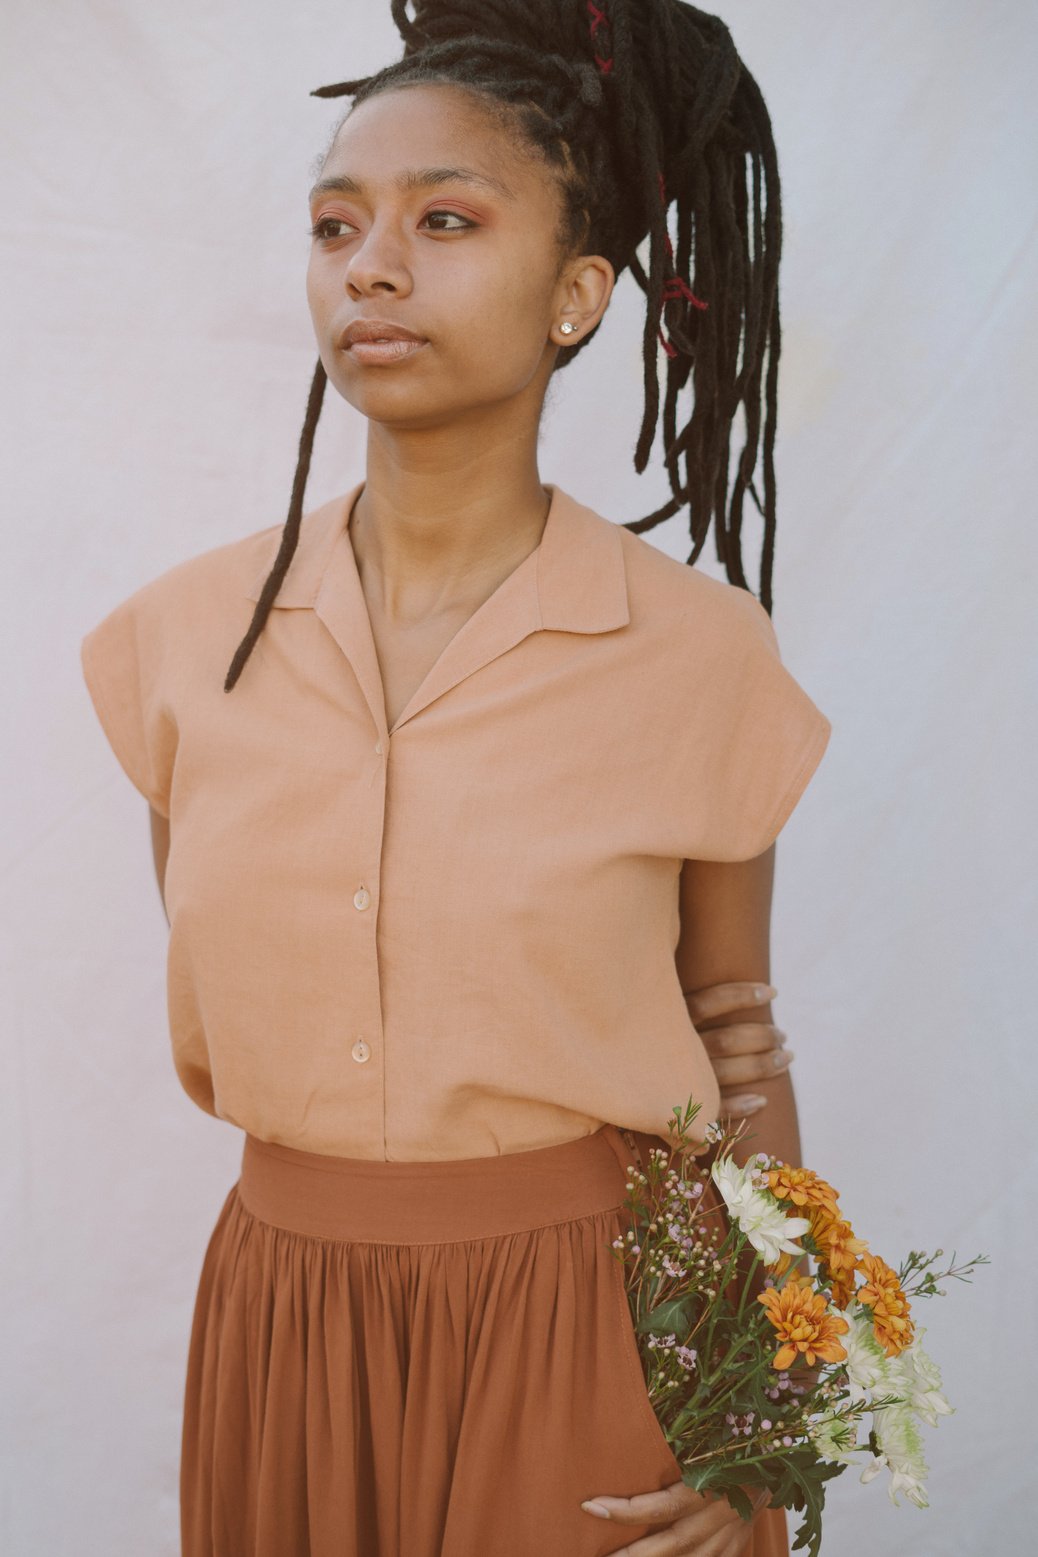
[(467, 260)]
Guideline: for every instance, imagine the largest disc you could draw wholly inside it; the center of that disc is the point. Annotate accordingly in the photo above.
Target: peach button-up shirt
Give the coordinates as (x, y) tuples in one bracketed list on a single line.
[(455, 937)]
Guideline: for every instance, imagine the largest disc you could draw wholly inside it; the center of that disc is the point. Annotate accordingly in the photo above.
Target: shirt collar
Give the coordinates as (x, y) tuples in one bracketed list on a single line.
[(579, 577), (573, 581)]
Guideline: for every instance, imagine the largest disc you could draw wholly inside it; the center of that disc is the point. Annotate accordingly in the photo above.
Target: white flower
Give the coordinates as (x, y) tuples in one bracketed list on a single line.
[(868, 1366), (901, 1450), (758, 1214), (835, 1438), (912, 1373), (921, 1382)]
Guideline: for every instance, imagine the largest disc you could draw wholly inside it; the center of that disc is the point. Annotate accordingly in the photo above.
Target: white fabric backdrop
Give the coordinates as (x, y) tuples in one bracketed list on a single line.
[(154, 244)]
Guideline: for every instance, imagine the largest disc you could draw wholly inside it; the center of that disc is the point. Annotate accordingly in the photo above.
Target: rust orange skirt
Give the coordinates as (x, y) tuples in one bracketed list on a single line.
[(420, 1359)]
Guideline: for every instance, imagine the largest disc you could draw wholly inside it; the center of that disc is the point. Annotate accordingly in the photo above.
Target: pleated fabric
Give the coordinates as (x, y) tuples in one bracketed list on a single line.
[(420, 1359)]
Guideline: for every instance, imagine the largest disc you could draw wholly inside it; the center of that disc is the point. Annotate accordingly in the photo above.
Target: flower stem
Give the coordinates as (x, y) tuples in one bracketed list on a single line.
[(746, 1284)]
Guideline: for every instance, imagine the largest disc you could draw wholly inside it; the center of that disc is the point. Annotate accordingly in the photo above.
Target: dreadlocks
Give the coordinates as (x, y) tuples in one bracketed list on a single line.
[(636, 105)]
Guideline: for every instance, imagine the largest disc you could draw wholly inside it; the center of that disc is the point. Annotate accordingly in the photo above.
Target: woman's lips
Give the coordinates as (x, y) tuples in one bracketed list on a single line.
[(384, 351)]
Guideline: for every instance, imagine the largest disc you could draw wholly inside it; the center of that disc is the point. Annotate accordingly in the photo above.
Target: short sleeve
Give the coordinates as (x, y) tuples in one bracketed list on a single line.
[(122, 660), (767, 740)]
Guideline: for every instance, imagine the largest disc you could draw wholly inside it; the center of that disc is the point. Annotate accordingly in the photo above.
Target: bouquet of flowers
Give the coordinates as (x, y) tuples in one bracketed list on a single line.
[(769, 1390)]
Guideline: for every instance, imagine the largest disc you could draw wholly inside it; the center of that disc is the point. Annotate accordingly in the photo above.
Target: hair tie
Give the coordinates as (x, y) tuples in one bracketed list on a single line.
[(674, 286), (598, 18)]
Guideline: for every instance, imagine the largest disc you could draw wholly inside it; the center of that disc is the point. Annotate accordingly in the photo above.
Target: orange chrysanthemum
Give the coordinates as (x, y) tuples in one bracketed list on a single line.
[(883, 1293), (802, 1321), (838, 1248), (841, 1287), (803, 1188)]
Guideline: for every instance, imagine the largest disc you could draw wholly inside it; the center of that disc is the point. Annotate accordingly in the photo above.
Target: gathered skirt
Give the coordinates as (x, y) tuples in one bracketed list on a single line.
[(420, 1359)]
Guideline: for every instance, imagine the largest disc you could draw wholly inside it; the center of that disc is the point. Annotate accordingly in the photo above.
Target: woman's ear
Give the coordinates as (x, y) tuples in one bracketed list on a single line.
[(585, 289)]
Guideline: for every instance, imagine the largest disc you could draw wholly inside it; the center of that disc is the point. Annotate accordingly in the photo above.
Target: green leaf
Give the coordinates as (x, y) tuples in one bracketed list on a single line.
[(739, 1501), (673, 1318), (700, 1477)]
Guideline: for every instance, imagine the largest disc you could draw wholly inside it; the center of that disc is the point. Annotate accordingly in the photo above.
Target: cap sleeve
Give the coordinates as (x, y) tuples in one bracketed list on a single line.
[(767, 740), (122, 665)]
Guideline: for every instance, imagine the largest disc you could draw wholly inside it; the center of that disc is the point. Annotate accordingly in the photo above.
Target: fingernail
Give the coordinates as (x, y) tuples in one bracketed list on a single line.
[(784, 1056), (753, 1100), (596, 1508), (765, 992)]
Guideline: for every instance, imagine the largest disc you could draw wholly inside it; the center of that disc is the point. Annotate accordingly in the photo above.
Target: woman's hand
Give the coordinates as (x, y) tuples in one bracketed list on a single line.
[(690, 1521), (740, 1052)]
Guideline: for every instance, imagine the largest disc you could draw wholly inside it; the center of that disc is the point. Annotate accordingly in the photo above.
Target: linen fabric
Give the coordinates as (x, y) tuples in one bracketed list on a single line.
[(454, 938), (421, 1359)]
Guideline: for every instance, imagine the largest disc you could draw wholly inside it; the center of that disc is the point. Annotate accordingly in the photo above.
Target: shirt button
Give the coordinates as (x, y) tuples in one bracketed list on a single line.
[(362, 898), (361, 1051), (378, 747)]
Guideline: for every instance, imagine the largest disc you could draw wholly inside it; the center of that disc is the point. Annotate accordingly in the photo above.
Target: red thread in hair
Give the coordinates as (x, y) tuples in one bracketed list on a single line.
[(673, 286), (598, 18), (667, 347)]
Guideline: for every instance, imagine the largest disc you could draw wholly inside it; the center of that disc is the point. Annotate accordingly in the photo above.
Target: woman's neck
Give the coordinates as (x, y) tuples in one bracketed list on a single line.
[(428, 539)]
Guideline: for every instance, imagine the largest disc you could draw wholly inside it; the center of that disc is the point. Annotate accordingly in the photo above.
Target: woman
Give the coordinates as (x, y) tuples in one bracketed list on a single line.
[(486, 828)]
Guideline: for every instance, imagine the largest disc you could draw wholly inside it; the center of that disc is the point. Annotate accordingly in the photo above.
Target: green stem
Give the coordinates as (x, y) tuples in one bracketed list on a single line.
[(746, 1283), (756, 1459), (719, 1285), (741, 1340)]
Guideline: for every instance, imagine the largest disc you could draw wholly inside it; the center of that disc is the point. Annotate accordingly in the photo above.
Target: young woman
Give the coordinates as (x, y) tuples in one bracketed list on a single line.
[(470, 850)]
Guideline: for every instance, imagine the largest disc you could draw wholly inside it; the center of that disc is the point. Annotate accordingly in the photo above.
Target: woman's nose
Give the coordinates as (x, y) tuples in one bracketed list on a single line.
[(378, 262)]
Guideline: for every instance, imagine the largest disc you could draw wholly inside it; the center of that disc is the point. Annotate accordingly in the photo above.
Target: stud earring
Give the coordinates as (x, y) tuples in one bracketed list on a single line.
[(566, 327)]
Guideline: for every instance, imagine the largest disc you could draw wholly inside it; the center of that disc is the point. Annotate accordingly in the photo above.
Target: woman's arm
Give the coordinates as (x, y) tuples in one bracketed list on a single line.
[(725, 937)]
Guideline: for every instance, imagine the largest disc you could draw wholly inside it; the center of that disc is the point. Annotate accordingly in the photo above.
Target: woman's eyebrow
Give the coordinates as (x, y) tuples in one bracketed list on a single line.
[(416, 178)]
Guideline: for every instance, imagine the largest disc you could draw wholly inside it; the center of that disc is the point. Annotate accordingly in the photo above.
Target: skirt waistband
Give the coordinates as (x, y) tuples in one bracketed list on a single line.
[(445, 1201)]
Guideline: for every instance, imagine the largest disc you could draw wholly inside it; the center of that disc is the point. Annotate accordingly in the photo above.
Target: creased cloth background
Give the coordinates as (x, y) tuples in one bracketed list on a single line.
[(159, 349)]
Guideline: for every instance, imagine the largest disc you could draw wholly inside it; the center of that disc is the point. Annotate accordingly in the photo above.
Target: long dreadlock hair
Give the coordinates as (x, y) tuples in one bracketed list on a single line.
[(635, 105)]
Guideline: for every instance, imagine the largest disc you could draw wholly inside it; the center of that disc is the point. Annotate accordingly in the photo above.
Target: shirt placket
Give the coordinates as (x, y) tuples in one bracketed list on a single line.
[(507, 617), (368, 1033)]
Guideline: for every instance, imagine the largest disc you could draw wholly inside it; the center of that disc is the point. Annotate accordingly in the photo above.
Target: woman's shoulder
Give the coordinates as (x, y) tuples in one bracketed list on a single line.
[(679, 604), (231, 570)]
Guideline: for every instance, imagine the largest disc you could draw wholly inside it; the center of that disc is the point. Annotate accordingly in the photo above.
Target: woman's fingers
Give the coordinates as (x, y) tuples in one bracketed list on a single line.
[(741, 1053), (739, 1536), (745, 1052), (742, 1104), (723, 999), (751, 1067), (648, 1508), (741, 1038), (689, 1519)]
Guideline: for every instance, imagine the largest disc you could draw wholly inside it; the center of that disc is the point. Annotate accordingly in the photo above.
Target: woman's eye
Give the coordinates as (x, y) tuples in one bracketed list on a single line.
[(463, 220), (318, 228)]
